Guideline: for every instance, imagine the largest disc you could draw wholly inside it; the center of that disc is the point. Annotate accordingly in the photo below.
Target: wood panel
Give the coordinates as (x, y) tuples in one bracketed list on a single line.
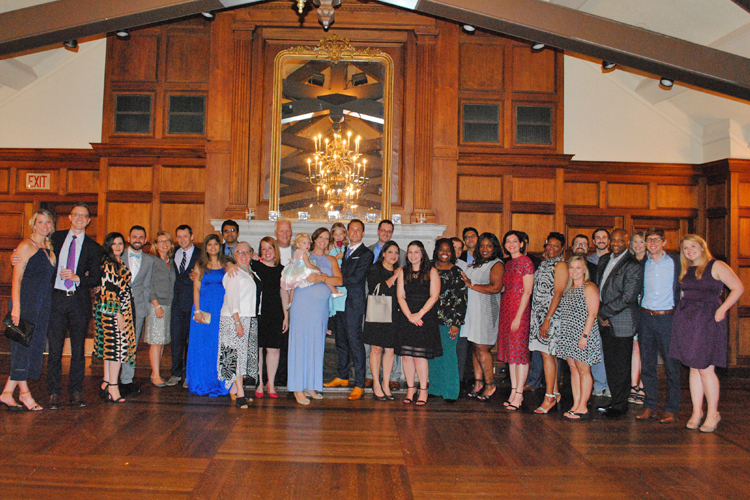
[(533, 71), (534, 189), (717, 236), (581, 194), (134, 59), (481, 66), (744, 194), (83, 181), (743, 344), (187, 57), (175, 214), (673, 196), (129, 178), (744, 275), (483, 221), (183, 179), (716, 195), (6, 270), (674, 230), (4, 180), (122, 216), (627, 195), (744, 239), (537, 226), (480, 188), (12, 224)]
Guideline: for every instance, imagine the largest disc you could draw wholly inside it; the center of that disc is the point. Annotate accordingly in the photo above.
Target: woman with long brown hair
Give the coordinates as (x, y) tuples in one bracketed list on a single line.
[(699, 327)]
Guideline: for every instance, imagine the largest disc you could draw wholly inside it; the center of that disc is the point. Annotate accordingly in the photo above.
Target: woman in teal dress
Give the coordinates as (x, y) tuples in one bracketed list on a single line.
[(203, 343)]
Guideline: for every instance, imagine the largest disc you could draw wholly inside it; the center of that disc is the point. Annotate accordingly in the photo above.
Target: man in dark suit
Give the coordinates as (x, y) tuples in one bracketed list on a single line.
[(471, 238), (620, 283), (349, 323), (141, 266), (78, 271), (661, 293), (182, 304)]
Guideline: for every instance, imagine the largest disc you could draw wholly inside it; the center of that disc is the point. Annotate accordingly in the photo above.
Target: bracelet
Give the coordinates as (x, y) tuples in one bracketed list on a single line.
[(159, 307), (196, 311), (237, 323)]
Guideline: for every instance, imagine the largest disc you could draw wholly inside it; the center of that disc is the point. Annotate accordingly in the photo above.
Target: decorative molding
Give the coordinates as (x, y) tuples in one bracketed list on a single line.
[(117, 149), (334, 48)]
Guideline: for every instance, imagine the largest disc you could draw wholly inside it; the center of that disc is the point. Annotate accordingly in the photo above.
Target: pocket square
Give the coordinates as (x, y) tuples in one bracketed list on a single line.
[(353, 258)]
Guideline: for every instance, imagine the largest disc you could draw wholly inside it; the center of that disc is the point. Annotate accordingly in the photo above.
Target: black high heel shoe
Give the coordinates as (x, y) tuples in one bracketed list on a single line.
[(110, 398), (419, 401), (475, 393), (484, 397), (103, 390), (407, 400)]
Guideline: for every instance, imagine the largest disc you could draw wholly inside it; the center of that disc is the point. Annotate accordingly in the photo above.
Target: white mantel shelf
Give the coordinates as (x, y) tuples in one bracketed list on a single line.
[(252, 231)]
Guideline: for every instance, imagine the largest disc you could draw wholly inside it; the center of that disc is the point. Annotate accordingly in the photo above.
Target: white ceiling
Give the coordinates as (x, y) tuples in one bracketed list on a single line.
[(720, 24)]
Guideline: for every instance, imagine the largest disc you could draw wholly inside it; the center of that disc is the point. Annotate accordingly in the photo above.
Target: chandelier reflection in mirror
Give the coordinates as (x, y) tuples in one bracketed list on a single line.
[(336, 172)]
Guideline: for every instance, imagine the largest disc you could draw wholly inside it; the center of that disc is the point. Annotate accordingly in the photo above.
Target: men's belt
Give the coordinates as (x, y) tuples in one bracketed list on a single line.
[(67, 293), (657, 313)]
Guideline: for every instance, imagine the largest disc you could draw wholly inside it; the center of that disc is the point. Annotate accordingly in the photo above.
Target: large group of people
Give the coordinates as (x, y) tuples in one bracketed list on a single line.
[(231, 314)]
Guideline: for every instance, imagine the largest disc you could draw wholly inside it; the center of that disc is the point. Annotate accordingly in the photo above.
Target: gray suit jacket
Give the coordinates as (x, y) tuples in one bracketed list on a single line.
[(401, 254), (619, 296), (141, 285)]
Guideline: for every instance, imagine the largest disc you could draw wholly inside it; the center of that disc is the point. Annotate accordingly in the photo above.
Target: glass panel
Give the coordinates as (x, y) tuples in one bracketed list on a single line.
[(133, 123), (187, 104), (133, 104), (486, 113), (534, 125), (481, 132), (534, 114), (534, 134), (185, 124)]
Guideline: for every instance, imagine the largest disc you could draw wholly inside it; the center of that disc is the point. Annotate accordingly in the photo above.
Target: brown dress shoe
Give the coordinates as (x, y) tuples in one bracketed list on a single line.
[(356, 393), (337, 382), (647, 414), (394, 385), (667, 418), (368, 383)]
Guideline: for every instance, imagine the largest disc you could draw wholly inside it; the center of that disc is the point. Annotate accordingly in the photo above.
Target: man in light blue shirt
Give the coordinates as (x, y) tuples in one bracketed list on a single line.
[(661, 292)]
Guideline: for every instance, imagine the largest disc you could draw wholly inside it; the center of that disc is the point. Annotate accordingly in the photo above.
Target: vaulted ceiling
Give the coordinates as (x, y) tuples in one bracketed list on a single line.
[(723, 25)]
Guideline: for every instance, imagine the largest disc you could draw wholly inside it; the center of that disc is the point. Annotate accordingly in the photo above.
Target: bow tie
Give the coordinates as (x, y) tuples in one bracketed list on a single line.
[(135, 255)]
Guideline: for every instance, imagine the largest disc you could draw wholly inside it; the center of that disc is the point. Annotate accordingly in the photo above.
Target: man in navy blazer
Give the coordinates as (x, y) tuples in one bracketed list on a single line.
[(79, 260), (349, 323), (182, 304)]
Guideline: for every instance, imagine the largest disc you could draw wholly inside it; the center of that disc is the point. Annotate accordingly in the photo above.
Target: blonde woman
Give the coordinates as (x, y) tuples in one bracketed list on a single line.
[(637, 393), (699, 327), (160, 313), (31, 296), (579, 342)]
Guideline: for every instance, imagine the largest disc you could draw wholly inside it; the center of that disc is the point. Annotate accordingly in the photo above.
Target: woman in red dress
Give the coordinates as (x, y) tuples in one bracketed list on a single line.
[(515, 315)]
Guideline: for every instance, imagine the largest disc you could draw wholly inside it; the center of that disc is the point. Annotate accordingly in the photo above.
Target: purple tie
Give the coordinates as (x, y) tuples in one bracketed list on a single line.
[(71, 261)]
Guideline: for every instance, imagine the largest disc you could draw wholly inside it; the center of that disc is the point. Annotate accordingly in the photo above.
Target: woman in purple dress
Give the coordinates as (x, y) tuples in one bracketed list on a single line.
[(699, 330)]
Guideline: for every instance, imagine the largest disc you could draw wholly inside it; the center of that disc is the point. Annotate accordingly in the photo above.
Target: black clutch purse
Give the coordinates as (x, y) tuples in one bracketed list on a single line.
[(21, 333)]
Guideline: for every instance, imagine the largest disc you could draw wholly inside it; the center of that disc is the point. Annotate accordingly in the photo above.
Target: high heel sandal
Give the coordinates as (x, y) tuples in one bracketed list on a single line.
[(110, 398), (475, 392), (511, 407), (103, 390), (486, 397), (554, 406), (507, 403), (15, 407), (38, 407), (419, 401), (407, 399), (693, 426), (706, 429)]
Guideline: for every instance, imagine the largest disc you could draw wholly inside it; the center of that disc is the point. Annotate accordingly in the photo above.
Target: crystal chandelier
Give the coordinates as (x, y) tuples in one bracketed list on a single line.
[(336, 172)]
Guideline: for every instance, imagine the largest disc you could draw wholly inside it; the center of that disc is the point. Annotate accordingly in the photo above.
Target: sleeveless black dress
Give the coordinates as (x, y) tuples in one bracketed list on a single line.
[(418, 341), (271, 319)]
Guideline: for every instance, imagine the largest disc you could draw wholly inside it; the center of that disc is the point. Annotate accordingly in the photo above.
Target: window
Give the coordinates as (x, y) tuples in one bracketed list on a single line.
[(534, 125), (481, 123), (133, 113), (187, 114)]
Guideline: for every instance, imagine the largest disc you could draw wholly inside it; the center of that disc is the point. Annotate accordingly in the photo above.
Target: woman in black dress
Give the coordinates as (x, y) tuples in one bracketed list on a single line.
[(31, 294), (381, 280), (273, 322), (417, 323)]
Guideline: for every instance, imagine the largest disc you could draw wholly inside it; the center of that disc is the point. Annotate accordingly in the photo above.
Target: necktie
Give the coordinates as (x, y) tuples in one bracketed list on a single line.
[(348, 252), (135, 255), (184, 262), (71, 264)]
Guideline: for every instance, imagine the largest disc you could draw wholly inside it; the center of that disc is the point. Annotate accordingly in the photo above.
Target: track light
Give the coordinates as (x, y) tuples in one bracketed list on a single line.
[(317, 79), (666, 82), (359, 79), (608, 65), (537, 46), (208, 15), (469, 28), (122, 33), (70, 44)]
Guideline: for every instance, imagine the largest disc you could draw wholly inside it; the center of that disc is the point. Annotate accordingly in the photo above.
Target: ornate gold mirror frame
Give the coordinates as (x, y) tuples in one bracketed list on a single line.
[(320, 92)]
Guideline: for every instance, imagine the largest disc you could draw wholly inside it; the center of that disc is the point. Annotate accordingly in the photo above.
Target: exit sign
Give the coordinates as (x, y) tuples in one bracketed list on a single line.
[(38, 181)]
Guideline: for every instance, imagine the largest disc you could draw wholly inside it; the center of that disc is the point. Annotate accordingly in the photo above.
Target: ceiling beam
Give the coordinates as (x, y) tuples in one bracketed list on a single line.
[(594, 36), (54, 22), (745, 4)]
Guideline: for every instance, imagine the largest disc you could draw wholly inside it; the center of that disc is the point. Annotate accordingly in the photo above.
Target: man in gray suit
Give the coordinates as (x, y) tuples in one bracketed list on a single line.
[(385, 233), (141, 266), (620, 280)]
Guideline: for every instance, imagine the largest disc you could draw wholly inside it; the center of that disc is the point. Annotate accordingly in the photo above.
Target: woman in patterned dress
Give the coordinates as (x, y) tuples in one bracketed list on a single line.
[(484, 279), (238, 326), (549, 282), (113, 316), (515, 315), (159, 316), (451, 313), (579, 342)]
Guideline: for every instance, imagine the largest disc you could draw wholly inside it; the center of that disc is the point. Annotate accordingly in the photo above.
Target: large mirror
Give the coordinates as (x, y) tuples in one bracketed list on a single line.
[(332, 129)]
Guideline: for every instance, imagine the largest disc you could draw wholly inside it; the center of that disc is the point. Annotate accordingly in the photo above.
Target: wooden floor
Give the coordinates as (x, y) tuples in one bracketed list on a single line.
[(166, 443)]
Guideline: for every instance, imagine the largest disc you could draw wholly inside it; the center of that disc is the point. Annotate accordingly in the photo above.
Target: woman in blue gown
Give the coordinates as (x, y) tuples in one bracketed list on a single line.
[(203, 343), (308, 320)]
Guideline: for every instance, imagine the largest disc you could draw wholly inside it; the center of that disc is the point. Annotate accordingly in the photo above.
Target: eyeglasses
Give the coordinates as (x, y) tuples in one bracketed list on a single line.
[(580, 244), (242, 252), (653, 240), (231, 230), (79, 216), (159, 242)]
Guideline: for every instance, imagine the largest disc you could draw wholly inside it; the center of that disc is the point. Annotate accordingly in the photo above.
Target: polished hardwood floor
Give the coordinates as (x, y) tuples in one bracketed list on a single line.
[(165, 443)]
